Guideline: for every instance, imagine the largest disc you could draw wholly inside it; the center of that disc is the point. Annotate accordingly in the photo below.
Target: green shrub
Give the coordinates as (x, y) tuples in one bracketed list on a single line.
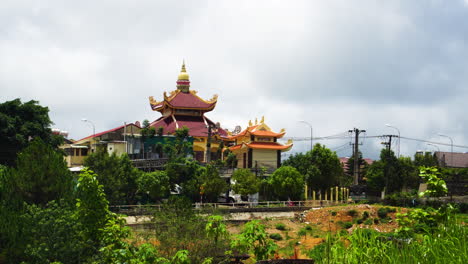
[(368, 222), (302, 232), (280, 226), (276, 236), (365, 215), (333, 213), (383, 211), (308, 228), (352, 213), (346, 225), (359, 221), (376, 220)]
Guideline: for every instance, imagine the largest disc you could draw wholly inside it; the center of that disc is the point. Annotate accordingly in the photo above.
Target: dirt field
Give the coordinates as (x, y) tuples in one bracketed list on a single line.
[(302, 233)]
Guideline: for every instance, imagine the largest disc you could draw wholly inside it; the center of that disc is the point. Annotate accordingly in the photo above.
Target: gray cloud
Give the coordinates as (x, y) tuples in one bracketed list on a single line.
[(336, 64)]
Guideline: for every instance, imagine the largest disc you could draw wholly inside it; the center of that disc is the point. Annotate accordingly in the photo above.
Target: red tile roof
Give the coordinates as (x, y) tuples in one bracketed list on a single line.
[(195, 124), (105, 132), (182, 100)]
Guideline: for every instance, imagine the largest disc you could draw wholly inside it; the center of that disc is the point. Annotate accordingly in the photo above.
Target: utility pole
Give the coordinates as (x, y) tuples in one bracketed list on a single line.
[(356, 153), (208, 146), (208, 142)]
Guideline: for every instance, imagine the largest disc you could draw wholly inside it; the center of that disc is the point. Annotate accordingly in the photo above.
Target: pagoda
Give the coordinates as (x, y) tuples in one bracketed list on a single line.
[(257, 146), (184, 108)]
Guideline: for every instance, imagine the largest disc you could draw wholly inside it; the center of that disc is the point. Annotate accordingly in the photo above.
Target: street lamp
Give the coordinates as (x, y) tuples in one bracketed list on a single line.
[(388, 125), (311, 133), (94, 128), (434, 145), (451, 147)]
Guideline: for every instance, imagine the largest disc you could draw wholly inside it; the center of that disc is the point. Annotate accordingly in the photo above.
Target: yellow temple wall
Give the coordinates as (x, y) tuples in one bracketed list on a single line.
[(117, 147), (240, 158), (264, 158), (73, 161)]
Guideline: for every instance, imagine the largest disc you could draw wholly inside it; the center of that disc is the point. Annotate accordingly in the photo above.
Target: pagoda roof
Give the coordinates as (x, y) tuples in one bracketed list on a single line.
[(197, 125), (259, 130), (263, 145), (179, 99)]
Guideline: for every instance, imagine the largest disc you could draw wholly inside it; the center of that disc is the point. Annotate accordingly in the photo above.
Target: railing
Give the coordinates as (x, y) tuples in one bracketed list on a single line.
[(149, 163), (148, 209)]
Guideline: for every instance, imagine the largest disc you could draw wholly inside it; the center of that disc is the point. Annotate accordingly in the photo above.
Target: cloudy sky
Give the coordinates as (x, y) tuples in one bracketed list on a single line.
[(335, 64)]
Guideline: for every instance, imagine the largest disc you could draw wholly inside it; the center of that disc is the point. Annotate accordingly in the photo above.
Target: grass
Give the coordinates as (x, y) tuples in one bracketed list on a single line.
[(280, 226), (448, 244)]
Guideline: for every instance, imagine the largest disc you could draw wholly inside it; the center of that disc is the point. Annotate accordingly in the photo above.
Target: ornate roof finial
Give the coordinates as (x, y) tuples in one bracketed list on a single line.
[(250, 123), (183, 81), (256, 122), (262, 121)]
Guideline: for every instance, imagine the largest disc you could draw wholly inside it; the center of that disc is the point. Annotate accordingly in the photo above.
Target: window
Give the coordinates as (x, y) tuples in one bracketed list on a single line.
[(84, 152)]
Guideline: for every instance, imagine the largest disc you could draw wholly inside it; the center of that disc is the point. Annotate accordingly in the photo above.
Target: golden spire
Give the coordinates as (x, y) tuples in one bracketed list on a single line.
[(256, 122), (262, 121), (250, 123), (183, 82)]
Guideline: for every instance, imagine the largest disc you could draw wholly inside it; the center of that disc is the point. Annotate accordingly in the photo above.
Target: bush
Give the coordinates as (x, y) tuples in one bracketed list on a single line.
[(280, 226), (383, 211), (308, 228), (352, 213), (276, 236), (346, 225), (368, 222), (333, 213), (365, 215)]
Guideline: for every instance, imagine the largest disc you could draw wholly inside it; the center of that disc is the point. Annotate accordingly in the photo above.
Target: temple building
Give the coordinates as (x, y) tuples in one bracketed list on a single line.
[(257, 146), (184, 108)]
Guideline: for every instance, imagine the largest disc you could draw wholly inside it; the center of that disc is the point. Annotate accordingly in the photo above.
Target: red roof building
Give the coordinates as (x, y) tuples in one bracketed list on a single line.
[(257, 146), (184, 108)]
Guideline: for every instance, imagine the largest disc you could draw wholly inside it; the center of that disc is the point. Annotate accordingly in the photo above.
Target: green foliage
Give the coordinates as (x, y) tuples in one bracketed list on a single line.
[(280, 226), (211, 183), (363, 165), (352, 213), (19, 123), (424, 220), (287, 183), (436, 186), (333, 213), (41, 174), (231, 159), (246, 182), (117, 175), (383, 211), (391, 172), (215, 228), (276, 236), (254, 239), (177, 227), (426, 160), (181, 147), (321, 167), (346, 225), (154, 185)]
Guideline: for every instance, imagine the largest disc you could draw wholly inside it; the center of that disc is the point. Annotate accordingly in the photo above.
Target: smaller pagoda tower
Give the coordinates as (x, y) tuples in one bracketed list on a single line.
[(184, 108), (257, 146)]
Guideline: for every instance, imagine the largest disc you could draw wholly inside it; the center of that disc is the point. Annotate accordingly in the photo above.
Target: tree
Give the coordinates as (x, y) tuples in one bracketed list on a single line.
[(391, 173), (245, 182), (41, 174), (116, 174), (427, 160), (436, 186), (321, 167), (19, 123), (287, 183), (154, 185), (212, 185), (255, 239), (325, 169), (363, 166)]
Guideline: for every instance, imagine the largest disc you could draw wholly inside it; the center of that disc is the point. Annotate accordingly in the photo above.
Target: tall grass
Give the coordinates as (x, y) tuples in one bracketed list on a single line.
[(447, 244)]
